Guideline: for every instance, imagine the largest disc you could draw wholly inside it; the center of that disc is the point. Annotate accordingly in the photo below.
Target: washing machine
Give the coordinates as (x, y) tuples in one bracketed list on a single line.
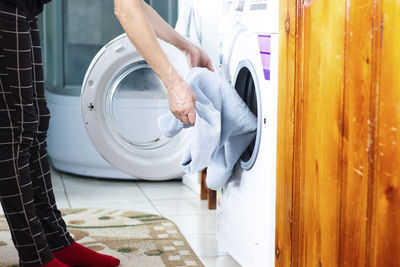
[(121, 101), (73, 33), (248, 48)]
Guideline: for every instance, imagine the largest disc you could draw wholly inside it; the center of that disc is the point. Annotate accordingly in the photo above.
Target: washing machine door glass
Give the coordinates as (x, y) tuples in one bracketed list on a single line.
[(137, 98), (245, 82), (122, 99)]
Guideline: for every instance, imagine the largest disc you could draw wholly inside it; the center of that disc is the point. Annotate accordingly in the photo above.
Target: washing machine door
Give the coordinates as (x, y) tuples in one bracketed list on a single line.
[(121, 101)]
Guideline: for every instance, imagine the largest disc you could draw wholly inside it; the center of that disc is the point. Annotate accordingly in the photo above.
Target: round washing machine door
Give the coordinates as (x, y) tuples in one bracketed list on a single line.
[(121, 101)]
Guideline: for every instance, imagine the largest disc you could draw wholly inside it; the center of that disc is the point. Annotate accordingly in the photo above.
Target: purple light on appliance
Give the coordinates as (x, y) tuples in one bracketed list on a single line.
[(264, 43), (266, 60), (267, 74)]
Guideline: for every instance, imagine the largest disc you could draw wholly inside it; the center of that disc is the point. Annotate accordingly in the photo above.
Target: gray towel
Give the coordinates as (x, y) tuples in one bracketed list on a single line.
[(224, 127)]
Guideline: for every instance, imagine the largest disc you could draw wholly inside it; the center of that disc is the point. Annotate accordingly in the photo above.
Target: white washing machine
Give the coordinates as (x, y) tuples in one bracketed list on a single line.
[(249, 60), (68, 48), (121, 101)]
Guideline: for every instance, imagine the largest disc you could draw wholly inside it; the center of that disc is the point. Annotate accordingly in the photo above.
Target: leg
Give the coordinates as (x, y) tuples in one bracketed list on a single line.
[(50, 217), (59, 240), (17, 125), (207, 193), (204, 188)]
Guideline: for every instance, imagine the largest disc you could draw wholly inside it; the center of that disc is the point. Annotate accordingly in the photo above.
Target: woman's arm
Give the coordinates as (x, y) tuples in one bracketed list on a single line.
[(140, 31)]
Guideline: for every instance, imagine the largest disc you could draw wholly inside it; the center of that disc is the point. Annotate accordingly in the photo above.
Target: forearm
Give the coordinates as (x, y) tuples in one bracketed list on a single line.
[(133, 19), (163, 30)]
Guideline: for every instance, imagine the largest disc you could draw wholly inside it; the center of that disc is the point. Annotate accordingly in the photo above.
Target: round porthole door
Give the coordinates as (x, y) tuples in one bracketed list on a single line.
[(246, 85), (121, 101)]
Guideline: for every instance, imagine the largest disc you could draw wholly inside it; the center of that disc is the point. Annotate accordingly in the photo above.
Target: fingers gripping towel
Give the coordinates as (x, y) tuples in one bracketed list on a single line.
[(223, 130)]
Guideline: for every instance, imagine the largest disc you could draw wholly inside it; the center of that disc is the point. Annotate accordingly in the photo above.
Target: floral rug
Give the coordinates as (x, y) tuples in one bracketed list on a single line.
[(137, 239)]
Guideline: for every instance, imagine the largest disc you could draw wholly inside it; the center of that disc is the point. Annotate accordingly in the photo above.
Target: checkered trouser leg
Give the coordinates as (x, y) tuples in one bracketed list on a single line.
[(50, 217), (25, 185)]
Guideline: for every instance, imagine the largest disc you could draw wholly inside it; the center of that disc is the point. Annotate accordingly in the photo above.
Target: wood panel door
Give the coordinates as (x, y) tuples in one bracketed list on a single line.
[(338, 172)]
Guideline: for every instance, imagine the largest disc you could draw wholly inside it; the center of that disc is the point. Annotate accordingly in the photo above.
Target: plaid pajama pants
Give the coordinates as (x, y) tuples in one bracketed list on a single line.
[(26, 193)]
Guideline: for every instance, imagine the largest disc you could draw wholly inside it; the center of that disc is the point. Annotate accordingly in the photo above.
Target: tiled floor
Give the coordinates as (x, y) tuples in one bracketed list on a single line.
[(171, 199)]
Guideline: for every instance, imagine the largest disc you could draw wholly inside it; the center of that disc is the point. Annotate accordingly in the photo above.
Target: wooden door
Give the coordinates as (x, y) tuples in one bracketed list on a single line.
[(338, 173)]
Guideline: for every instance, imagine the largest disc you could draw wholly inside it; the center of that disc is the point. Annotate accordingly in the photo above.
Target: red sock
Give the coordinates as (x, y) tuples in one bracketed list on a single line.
[(54, 263), (77, 255)]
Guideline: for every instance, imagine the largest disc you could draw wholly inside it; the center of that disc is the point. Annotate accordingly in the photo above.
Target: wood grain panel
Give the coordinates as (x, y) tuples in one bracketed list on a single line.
[(321, 144), (387, 232), (374, 129), (297, 138), (356, 133), (284, 192), (338, 176)]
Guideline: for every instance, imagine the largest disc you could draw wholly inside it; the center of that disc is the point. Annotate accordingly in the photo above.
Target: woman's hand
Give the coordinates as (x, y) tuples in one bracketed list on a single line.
[(182, 101), (198, 58)]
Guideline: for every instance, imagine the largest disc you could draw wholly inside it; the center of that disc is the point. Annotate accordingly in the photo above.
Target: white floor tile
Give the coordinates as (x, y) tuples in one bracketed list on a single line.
[(219, 261), (195, 224), (166, 190), (56, 180), (143, 206), (182, 207), (1, 210), (91, 190), (204, 244), (61, 200)]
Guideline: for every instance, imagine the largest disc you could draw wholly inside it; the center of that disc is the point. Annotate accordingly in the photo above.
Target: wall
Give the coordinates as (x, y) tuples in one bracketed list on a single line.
[(338, 176)]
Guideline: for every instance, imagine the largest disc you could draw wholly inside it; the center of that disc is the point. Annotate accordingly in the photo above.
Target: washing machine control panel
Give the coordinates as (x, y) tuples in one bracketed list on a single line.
[(253, 5), (258, 5)]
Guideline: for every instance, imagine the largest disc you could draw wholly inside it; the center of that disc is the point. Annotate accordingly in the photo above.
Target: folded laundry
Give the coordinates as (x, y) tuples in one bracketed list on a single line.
[(223, 130)]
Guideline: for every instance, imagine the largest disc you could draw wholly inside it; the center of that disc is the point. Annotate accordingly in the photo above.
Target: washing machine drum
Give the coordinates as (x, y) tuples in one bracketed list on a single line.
[(121, 101)]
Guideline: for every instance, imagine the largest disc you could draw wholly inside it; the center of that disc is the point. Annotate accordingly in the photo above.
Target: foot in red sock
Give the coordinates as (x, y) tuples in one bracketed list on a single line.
[(54, 263), (77, 255)]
